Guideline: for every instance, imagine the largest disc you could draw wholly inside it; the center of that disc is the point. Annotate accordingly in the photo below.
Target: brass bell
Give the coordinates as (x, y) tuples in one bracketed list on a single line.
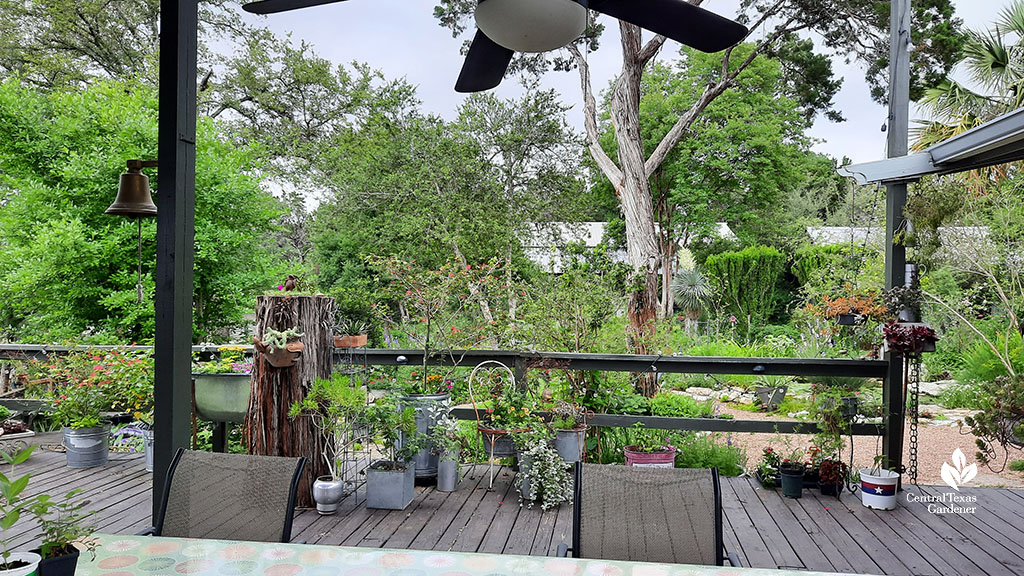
[(133, 197)]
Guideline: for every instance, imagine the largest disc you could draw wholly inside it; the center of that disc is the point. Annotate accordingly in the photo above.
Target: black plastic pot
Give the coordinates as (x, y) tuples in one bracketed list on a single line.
[(792, 481), (830, 489), (63, 565)]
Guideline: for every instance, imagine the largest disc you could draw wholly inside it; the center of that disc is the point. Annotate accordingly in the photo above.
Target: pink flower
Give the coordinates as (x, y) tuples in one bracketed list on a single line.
[(733, 319), (280, 287)]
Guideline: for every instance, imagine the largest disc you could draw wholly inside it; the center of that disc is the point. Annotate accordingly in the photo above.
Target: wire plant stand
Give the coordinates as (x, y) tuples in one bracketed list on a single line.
[(480, 393)]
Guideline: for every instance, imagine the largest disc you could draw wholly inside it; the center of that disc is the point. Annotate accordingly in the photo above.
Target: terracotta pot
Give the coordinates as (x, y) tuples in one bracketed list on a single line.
[(280, 357), (350, 340)]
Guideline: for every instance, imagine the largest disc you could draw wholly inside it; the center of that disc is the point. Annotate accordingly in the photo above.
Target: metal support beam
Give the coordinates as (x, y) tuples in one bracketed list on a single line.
[(895, 200), (179, 20)]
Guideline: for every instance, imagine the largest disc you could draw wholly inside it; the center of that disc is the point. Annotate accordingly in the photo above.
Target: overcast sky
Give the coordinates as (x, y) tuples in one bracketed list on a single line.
[(403, 39)]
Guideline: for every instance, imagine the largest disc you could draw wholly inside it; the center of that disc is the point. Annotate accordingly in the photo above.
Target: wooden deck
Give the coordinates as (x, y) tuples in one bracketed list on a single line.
[(765, 529)]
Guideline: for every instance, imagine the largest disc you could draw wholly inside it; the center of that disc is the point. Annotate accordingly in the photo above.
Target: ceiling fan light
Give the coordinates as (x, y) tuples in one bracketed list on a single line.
[(532, 25)]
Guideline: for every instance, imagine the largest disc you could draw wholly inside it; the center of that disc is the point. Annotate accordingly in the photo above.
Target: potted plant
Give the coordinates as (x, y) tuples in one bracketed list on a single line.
[(649, 448), (428, 396), (390, 482), (12, 505), (509, 410), (767, 472), (354, 334), (64, 532), (280, 347), (78, 407), (832, 477), (878, 486), (223, 385), (791, 472), (337, 407), (569, 422), (909, 339), (771, 390), (543, 474), (445, 439)]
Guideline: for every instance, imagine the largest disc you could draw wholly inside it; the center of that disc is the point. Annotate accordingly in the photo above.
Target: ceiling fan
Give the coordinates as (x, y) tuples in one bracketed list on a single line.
[(508, 26)]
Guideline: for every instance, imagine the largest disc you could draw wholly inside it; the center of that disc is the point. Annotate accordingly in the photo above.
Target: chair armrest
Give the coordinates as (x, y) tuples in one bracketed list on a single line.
[(733, 559), (563, 550), (151, 531)]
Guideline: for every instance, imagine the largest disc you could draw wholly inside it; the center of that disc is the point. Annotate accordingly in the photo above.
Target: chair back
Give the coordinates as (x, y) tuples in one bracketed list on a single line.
[(229, 496), (670, 515)]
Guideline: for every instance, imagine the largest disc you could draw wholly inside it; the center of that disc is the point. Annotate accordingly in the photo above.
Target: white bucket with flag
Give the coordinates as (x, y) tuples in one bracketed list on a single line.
[(878, 488)]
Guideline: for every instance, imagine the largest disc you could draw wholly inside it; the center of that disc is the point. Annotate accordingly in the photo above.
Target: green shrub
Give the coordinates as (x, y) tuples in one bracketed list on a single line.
[(747, 281), (961, 395), (811, 263), (982, 364), (680, 406), (1017, 465), (707, 450)]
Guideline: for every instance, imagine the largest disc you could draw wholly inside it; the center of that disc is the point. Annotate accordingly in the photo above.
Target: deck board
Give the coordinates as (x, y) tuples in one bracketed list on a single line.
[(763, 528)]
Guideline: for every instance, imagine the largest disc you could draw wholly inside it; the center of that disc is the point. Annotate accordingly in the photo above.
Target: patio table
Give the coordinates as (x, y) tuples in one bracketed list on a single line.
[(129, 555)]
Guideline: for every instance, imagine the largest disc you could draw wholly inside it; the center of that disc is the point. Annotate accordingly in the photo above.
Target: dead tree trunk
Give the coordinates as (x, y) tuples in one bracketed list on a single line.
[(269, 431)]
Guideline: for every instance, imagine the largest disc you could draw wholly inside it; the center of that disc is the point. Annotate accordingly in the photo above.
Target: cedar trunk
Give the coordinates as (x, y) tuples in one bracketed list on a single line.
[(269, 431), (637, 208)]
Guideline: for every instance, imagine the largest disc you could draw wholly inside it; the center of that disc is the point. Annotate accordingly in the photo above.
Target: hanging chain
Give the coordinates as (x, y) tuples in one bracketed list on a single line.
[(913, 391)]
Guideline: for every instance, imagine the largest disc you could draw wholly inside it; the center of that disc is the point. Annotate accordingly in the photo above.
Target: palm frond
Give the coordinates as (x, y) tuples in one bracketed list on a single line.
[(690, 288)]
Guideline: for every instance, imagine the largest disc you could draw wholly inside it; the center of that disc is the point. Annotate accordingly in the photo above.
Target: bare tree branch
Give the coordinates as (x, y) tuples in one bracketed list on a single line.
[(604, 162)]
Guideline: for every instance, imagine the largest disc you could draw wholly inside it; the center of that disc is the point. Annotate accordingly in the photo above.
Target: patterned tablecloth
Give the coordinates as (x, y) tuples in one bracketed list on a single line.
[(122, 555)]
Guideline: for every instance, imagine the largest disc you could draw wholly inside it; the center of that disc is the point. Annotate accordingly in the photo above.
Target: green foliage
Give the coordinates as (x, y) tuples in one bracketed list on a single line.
[(12, 503), (1000, 423), (337, 406), (961, 395), (394, 430), (680, 406), (63, 523), (228, 360), (1017, 465), (747, 281), (980, 362), (698, 450), (86, 383), (817, 263), (278, 339), (60, 157)]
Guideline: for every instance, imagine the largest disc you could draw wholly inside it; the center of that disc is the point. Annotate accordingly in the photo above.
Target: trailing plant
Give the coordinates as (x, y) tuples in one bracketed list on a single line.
[(908, 340), (550, 479)]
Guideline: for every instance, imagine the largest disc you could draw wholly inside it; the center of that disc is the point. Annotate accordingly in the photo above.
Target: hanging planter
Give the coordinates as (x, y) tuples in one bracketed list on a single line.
[(280, 348), (850, 319), (909, 339)]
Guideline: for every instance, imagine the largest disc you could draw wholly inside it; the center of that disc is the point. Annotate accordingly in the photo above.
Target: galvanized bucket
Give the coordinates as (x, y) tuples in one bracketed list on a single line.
[(87, 447)]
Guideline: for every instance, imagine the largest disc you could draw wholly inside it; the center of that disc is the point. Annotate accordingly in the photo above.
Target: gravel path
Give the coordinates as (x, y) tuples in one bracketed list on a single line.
[(935, 446)]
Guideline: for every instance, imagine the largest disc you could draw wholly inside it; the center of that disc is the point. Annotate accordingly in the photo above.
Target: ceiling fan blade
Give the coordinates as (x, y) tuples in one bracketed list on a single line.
[(485, 65), (678, 20), (275, 6)]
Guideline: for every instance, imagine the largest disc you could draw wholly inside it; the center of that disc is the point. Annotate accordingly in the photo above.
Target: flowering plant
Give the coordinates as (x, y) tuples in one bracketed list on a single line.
[(510, 409), (86, 383), (229, 360), (432, 384), (832, 472), (768, 467)]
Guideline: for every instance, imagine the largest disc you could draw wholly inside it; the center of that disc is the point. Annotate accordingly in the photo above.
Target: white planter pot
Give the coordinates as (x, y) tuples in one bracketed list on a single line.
[(32, 558), (878, 491)]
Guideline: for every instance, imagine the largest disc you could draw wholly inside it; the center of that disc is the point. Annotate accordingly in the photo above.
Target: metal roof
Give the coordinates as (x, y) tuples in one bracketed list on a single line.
[(995, 142)]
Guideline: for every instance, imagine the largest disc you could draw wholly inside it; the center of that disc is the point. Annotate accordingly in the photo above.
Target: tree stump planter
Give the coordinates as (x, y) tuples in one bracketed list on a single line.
[(268, 429)]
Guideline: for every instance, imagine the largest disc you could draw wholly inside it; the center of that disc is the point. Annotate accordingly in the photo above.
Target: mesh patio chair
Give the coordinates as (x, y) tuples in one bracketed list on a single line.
[(229, 497), (668, 515)]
